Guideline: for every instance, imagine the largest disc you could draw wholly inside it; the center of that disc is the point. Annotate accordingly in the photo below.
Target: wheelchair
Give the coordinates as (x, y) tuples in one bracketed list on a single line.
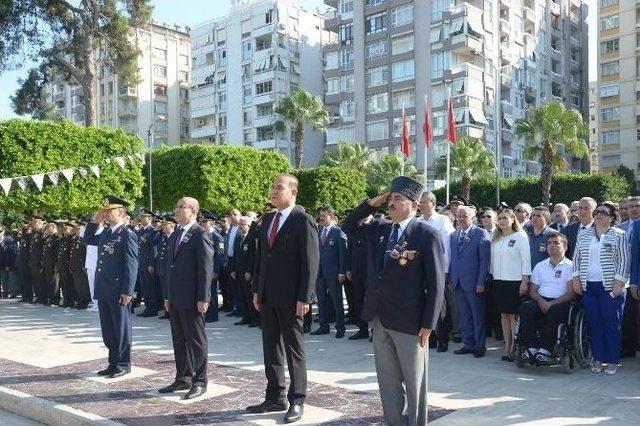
[(572, 349)]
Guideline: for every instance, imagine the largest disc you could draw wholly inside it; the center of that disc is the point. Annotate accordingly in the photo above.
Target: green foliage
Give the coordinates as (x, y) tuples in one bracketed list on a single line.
[(30, 147), (31, 98), (629, 176), (349, 155), (220, 177), (566, 188), (337, 187), (381, 173)]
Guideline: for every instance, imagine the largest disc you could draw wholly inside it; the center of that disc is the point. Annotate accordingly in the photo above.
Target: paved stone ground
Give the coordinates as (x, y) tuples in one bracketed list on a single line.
[(10, 419), (53, 353)]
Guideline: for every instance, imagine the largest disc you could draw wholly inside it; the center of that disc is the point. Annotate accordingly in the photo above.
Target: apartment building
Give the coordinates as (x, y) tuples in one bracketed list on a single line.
[(619, 84), (244, 62), (496, 57), (159, 101), (594, 146)]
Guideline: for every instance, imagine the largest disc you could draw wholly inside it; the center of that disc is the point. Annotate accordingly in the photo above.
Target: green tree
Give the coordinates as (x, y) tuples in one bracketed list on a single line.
[(296, 110), (470, 159), (628, 175), (543, 129), (382, 172), (70, 38), (355, 156)]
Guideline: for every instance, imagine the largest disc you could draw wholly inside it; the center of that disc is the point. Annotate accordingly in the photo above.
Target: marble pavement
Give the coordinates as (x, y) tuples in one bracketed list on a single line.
[(50, 355)]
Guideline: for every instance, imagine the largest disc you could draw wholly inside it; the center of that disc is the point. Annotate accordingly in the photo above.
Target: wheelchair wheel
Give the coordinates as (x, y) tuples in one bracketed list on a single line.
[(568, 363), (518, 354), (581, 347)]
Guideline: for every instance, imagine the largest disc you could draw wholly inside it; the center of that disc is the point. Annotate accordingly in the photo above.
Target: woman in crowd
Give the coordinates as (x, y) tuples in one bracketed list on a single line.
[(601, 275), (510, 267)]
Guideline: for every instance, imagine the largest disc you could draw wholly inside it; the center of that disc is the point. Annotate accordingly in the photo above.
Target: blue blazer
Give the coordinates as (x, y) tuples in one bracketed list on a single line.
[(406, 295), (147, 247), (469, 263), (635, 252), (117, 268), (333, 254)]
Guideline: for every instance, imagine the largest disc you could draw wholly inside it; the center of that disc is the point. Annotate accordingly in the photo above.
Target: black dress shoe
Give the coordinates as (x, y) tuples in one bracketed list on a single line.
[(359, 336), (165, 316), (320, 331), (243, 322), (294, 413), (443, 347), (267, 407), (339, 334), (119, 372), (195, 391), (147, 314), (463, 351), (253, 324), (211, 319), (306, 329), (456, 339), (479, 353), (175, 386), (107, 371)]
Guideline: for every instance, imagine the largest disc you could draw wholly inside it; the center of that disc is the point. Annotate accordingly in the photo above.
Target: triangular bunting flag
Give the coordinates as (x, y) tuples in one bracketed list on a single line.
[(96, 170), (120, 161), (108, 160), (132, 158), (38, 179), (22, 182), (5, 183), (68, 174), (140, 156), (83, 172), (53, 177)]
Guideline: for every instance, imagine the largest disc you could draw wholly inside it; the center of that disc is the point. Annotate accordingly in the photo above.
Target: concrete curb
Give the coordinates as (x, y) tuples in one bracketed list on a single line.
[(48, 412)]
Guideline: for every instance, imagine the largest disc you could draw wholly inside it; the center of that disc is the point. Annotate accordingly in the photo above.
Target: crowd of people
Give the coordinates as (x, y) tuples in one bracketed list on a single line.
[(500, 264)]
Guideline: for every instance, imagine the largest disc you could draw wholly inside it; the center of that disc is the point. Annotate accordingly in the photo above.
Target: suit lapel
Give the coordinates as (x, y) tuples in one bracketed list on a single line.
[(185, 238), (466, 241), (283, 227), (381, 244)]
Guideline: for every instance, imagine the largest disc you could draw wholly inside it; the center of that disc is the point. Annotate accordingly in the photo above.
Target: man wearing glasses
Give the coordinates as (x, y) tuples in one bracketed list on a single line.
[(538, 234)]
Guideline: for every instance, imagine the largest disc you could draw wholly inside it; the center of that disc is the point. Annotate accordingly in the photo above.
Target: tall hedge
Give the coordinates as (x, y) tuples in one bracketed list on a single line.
[(220, 177), (29, 147), (337, 187), (566, 187)]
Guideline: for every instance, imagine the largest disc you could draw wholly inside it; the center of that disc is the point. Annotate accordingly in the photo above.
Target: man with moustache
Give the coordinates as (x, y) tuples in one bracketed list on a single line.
[(286, 269), (405, 259)]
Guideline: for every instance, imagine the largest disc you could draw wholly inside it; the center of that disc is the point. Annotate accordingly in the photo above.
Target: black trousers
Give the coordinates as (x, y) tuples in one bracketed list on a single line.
[(52, 287), (282, 335), (349, 294), (190, 346), (224, 281), (249, 314), (81, 287), (530, 313), (358, 284), (37, 282), (66, 285), (445, 320), (26, 286), (630, 319), (213, 309)]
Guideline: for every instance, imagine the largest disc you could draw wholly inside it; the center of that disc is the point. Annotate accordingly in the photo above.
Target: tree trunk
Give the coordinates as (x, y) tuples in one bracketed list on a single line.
[(465, 184), (546, 172), (89, 84), (299, 132)]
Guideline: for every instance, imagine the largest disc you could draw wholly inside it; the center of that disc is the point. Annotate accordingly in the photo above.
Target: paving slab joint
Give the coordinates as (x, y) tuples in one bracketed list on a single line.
[(48, 412)]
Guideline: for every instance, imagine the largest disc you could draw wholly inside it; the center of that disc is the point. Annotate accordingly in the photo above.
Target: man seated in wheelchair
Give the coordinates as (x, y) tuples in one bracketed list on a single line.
[(550, 293)]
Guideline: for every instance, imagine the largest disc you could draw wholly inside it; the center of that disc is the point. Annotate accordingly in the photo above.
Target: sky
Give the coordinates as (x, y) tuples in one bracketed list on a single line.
[(194, 12)]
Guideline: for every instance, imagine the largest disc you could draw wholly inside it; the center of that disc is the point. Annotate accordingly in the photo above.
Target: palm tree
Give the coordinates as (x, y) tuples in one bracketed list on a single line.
[(297, 109), (349, 155), (471, 159), (382, 172), (543, 129)]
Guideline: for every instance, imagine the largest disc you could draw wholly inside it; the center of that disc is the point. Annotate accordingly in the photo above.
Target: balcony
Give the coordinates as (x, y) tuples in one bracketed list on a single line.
[(332, 20), (129, 111), (265, 29), (505, 27), (464, 69), (204, 131), (529, 15), (465, 44), (203, 112), (266, 120), (126, 91), (554, 8), (505, 80)]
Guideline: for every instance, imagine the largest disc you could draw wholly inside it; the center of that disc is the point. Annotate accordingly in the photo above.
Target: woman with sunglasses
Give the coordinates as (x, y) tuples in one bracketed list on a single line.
[(601, 275), (510, 267)]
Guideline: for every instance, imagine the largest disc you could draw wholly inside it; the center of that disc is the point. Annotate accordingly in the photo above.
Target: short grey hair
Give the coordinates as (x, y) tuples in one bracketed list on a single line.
[(430, 196), (526, 207), (471, 211), (563, 206)]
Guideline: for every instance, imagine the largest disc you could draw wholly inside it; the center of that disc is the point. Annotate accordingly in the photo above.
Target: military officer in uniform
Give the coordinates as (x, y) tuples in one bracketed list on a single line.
[(146, 262), (115, 281), (77, 256), (35, 257), (49, 250), (167, 226), (405, 260), (22, 263), (62, 266), (208, 223)]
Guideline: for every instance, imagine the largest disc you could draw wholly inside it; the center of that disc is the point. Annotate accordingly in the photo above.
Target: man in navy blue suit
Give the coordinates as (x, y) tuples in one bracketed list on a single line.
[(146, 261), (470, 251), (208, 223), (189, 277), (331, 273), (114, 281)]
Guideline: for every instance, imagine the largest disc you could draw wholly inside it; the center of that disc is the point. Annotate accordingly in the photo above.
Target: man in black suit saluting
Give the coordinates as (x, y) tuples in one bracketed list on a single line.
[(286, 269), (189, 275), (405, 290)]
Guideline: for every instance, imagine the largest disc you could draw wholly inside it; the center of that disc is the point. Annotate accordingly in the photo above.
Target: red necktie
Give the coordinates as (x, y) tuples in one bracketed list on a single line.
[(274, 230)]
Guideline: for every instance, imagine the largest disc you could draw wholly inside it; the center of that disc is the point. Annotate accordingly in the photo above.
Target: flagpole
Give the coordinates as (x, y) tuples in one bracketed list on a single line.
[(426, 142), (448, 177), (401, 143)]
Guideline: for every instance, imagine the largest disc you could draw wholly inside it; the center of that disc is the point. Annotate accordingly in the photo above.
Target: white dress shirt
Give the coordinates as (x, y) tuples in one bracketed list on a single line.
[(232, 237), (185, 229), (443, 225), (284, 214), (511, 257)]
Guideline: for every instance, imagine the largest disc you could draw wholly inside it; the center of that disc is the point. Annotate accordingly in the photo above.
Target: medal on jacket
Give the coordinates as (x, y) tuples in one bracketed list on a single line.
[(402, 261)]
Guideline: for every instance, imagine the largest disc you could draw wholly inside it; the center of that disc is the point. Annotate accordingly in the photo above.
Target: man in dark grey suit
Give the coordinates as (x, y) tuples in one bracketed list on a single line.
[(189, 275), (586, 207), (286, 269), (405, 290)]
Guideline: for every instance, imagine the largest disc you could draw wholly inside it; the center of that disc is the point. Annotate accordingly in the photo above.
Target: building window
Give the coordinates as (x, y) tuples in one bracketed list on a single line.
[(184, 94), (374, 3), (609, 90), (333, 85), (222, 122), (609, 22), (332, 61), (347, 110), (377, 76), (610, 114), (346, 6), (246, 94), (183, 60), (264, 87), (246, 49), (437, 7), (402, 71), (376, 23), (610, 46), (377, 131), (610, 68), (246, 116), (222, 100), (264, 133), (397, 126), (160, 107), (248, 137), (610, 161), (184, 77), (610, 137), (346, 83), (158, 53), (159, 71), (346, 33), (264, 110), (439, 62), (404, 97), (263, 43), (160, 89), (378, 103), (346, 60), (377, 49), (605, 3), (401, 45), (268, 17), (402, 15)]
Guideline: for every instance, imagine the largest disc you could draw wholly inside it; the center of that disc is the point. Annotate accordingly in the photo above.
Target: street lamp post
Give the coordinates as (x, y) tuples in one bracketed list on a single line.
[(150, 140)]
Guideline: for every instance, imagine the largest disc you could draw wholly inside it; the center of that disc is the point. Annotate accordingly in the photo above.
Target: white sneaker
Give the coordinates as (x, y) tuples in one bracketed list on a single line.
[(611, 369), (596, 367)]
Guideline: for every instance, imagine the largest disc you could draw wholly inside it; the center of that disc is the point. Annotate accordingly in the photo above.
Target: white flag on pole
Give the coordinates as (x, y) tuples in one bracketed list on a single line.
[(96, 170), (68, 174), (53, 177), (5, 183), (38, 179)]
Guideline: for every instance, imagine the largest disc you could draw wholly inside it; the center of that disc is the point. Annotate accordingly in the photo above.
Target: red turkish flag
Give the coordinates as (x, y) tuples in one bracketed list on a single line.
[(451, 122), (427, 128), (406, 136)]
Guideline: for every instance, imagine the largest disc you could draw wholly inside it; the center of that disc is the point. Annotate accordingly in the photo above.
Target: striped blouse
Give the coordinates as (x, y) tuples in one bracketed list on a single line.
[(614, 256)]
